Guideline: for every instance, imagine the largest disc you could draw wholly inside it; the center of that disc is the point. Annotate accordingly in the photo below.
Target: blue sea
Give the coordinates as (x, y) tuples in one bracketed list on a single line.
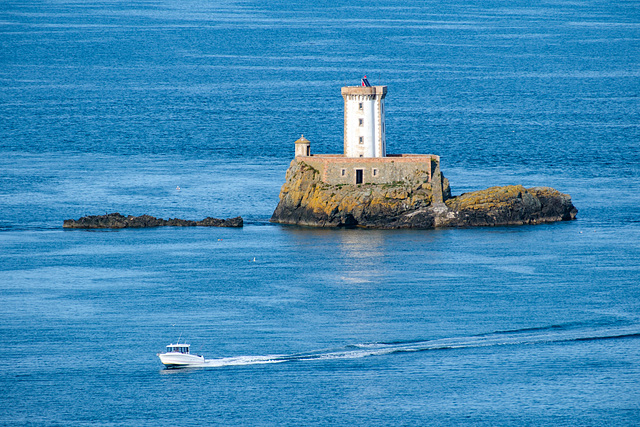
[(189, 109)]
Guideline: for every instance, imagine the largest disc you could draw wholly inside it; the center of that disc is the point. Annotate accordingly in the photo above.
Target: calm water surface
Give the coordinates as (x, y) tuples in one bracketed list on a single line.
[(110, 106)]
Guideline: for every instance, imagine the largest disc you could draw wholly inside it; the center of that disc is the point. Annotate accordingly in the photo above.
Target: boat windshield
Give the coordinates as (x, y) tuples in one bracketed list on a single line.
[(173, 349)]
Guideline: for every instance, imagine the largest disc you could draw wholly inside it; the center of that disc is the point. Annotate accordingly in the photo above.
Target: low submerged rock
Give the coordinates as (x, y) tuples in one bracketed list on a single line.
[(115, 220), (306, 200)]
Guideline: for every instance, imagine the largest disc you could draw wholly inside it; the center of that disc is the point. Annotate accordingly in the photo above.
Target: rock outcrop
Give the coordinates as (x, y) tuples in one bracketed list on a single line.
[(414, 203), (510, 205), (115, 220)]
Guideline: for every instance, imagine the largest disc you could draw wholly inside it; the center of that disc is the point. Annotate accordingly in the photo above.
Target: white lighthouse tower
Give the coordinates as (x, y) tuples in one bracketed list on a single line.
[(364, 130)]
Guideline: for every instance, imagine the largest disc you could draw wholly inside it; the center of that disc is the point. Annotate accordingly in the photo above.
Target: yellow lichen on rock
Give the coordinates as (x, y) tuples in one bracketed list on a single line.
[(491, 197), (306, 200)]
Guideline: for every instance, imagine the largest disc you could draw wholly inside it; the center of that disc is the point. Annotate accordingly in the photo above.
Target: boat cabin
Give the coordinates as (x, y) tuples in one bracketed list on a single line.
[(178, 348)]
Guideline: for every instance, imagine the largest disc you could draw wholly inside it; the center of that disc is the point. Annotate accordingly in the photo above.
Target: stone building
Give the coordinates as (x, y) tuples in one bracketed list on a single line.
[(365, 160)]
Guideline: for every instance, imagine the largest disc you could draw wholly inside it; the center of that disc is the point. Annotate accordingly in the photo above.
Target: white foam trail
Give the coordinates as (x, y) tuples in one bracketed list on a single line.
[(358, 351), (242, 361)]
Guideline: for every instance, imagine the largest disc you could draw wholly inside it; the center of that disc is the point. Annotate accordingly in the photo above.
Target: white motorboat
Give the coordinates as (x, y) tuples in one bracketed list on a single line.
[(179, 356)]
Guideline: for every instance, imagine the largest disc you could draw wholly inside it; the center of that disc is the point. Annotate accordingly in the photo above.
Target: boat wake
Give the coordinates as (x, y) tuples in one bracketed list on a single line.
[(530, 336)]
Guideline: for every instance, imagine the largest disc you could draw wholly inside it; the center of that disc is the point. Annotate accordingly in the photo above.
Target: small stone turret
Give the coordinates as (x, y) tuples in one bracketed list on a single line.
[(303, 147)]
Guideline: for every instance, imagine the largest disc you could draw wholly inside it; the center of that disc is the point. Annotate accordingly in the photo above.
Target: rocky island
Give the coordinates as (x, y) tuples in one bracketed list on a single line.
[(366, 187), (115, 220), (416, 202)]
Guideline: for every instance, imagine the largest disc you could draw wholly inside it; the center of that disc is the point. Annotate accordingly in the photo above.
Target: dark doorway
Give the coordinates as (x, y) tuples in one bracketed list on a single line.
[(358, 176)]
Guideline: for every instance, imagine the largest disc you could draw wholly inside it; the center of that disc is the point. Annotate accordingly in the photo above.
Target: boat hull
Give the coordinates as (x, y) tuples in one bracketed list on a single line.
[(179, 360)]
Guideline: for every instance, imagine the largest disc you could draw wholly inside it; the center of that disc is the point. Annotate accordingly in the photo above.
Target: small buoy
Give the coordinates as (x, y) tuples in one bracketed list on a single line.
[(178, 188), (254, 259)]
